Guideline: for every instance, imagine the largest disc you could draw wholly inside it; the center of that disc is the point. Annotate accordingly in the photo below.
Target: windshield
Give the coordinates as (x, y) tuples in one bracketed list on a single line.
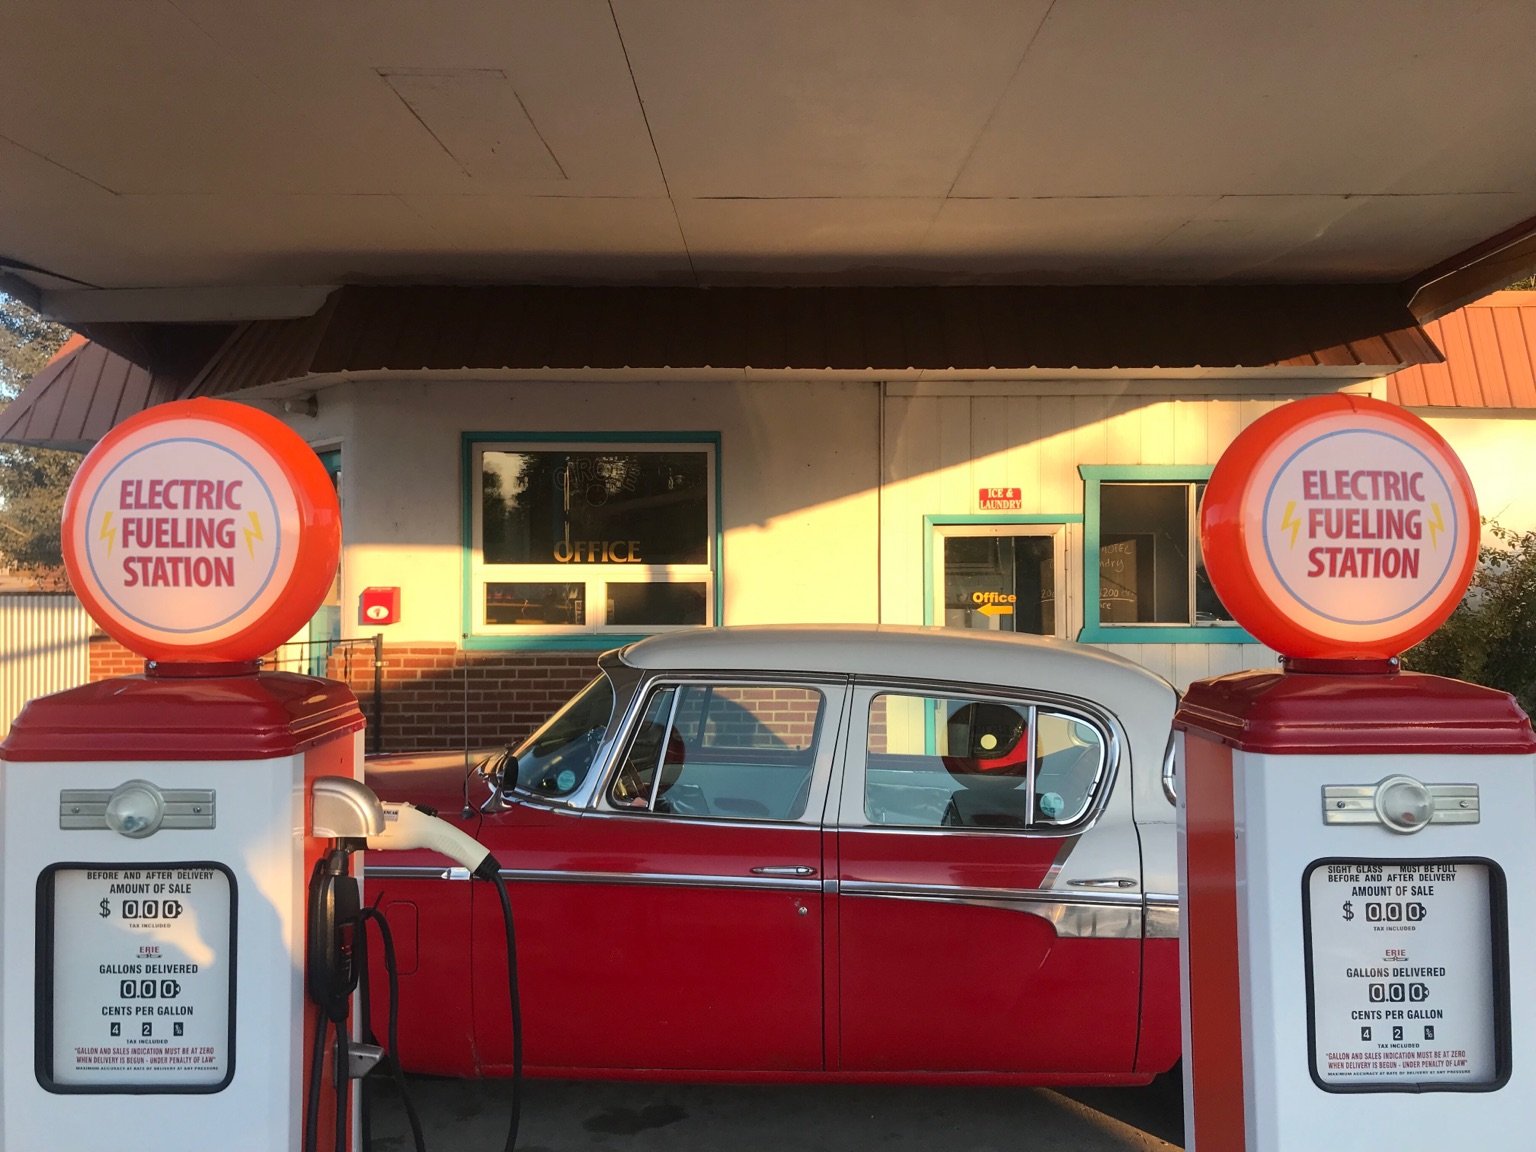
[(556, 759)]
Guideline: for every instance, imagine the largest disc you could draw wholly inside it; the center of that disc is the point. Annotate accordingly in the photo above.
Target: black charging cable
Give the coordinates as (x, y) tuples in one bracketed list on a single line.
[(334, 924), (334, 892), (514, 999), (489, 869), (397, 1074)]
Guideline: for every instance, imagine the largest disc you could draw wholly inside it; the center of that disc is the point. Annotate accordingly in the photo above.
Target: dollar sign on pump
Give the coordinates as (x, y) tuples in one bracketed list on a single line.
[(106, 907), (1349, 910)]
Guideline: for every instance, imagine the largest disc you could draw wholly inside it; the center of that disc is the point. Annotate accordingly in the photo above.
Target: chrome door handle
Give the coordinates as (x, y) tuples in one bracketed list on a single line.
[(1105, 882), (784, 870)]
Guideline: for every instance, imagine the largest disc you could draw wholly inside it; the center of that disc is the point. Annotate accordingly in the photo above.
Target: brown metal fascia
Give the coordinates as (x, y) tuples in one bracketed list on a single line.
[(960, 329), (1473, 273)]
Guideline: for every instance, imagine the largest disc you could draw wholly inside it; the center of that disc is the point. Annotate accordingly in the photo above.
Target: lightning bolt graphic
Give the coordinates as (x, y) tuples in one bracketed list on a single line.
[(1289, 521), (108, 533), (1436, 525), (252, 533)]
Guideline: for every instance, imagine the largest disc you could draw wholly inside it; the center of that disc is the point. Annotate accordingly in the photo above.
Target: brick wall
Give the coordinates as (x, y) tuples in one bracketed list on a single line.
[(108, 658), (433, 693)]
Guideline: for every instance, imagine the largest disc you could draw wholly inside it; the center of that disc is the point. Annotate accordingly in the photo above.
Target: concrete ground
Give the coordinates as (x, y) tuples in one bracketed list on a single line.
[(565, 1116)]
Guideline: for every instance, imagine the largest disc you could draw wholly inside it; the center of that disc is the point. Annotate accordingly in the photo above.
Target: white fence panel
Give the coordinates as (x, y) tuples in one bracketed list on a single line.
[(44, 647)]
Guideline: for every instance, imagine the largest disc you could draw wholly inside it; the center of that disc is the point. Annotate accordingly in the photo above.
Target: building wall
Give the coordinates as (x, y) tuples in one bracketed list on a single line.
[(943, 443), (823, 496), (1496, 449), (799, 461)]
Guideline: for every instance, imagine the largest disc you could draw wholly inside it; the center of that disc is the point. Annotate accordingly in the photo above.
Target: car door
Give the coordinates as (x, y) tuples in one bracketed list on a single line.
[(988, 911), (676, 925)]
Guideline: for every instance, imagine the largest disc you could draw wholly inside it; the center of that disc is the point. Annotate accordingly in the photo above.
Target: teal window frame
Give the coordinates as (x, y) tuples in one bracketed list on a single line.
[(572, 641), (1095, 632)]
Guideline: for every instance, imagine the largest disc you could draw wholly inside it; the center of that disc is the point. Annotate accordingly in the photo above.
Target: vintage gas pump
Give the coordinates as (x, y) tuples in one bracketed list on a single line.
[(157, 832), (1357, 842)]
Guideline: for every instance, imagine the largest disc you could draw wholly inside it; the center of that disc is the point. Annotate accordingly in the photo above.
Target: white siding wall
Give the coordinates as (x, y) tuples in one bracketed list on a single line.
[(800, 466), (945, 442), (825, 485), (1497, 451)]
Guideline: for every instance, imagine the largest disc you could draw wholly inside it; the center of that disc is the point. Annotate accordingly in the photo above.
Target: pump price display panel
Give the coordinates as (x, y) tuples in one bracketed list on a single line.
[(1407, 975), (136, 977)]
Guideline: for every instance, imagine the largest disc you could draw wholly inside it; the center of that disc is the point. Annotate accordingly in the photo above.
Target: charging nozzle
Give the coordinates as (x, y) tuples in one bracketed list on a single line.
[(344, 809), (407, 826)]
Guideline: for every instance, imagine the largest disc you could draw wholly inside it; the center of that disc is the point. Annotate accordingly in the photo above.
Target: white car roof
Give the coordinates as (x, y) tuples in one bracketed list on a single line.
[(997, 658)]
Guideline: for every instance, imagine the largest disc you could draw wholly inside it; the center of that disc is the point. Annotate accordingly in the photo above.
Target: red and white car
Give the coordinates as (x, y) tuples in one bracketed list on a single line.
[(809, 853)]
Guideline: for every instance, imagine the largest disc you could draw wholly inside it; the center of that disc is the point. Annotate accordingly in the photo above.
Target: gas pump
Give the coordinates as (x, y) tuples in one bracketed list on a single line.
[(1356, 841), (156, 828), (180, 924)]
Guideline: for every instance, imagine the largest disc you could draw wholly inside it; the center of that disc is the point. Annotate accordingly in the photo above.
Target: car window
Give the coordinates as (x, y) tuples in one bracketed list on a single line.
[(727, 751), (967, 762), (557, 757)]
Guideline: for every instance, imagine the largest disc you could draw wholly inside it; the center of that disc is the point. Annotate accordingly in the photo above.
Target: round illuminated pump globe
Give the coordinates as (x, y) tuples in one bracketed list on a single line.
[(201, 531), (1339, 527)]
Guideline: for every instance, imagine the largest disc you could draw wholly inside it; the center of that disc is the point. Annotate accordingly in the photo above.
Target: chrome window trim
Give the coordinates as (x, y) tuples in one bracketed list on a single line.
[(596, 801), (711, 821), (1043, 831), (414, 872), (1108, 915), (1163, 916), (664, 880), (1006, 895), (1111, 753), (625, 681), (759, 883), (1169, 779)]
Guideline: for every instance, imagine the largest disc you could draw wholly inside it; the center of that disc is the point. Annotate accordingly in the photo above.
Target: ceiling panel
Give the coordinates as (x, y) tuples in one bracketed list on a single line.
[(167, 143)]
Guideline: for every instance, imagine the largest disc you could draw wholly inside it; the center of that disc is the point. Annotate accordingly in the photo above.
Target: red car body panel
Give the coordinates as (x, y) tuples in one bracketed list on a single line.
[(919, 994), (642, 949)]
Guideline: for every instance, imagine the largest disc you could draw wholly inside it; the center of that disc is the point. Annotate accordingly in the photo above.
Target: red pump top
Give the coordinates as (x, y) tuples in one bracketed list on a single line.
[(1379, 712), (185, 712)]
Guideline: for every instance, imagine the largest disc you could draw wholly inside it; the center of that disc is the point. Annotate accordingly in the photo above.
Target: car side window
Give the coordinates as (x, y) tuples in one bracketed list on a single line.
[(970, 762), (726, 751)]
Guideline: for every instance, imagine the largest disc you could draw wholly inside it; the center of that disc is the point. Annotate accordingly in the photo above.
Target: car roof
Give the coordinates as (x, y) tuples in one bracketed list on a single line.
[(996, 658)]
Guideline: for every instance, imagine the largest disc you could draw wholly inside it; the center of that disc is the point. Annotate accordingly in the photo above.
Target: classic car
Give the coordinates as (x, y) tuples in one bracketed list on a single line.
[(832, 853)]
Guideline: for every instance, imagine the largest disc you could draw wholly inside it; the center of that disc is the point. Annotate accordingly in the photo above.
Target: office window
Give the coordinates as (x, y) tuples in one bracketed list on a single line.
[(1144, 572), (585, 537)]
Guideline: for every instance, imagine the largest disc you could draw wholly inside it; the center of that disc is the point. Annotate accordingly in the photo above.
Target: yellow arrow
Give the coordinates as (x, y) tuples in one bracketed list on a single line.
[(996, 609)]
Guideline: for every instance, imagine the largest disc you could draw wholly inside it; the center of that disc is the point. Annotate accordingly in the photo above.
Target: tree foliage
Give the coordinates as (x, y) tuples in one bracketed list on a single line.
[(1491, 637), (33, 481)]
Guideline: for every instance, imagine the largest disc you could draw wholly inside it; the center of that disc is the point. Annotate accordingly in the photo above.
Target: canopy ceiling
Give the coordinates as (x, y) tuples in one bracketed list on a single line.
[(220, 160)]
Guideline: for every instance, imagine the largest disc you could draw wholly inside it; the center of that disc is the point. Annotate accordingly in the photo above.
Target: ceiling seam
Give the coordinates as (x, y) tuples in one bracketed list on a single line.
[(651, 135), (970, 152)]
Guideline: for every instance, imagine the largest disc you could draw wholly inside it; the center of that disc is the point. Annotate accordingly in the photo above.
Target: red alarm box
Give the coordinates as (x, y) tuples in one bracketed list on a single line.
[(380, 606)]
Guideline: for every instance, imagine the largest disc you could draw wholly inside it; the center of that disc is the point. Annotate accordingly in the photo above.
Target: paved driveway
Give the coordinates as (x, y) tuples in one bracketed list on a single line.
[(562, 1116)]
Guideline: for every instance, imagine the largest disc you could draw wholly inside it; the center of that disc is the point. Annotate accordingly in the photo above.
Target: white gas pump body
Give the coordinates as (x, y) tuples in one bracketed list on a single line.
[(1348, 985), (153, 983)]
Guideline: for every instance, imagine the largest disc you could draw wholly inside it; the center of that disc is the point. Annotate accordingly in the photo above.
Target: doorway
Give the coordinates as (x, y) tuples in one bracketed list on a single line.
[(1000, 577)]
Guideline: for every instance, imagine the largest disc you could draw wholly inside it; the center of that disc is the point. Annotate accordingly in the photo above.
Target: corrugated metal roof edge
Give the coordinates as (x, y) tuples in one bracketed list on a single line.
[(1489, 361)]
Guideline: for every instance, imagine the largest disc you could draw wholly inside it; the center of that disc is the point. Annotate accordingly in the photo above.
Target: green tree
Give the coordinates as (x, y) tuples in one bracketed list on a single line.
[(33, 481), (1491, 636)]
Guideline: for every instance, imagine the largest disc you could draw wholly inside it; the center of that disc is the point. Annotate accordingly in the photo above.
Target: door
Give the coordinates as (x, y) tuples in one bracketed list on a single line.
[(1001, 577), (677, 925), (988, 896)]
